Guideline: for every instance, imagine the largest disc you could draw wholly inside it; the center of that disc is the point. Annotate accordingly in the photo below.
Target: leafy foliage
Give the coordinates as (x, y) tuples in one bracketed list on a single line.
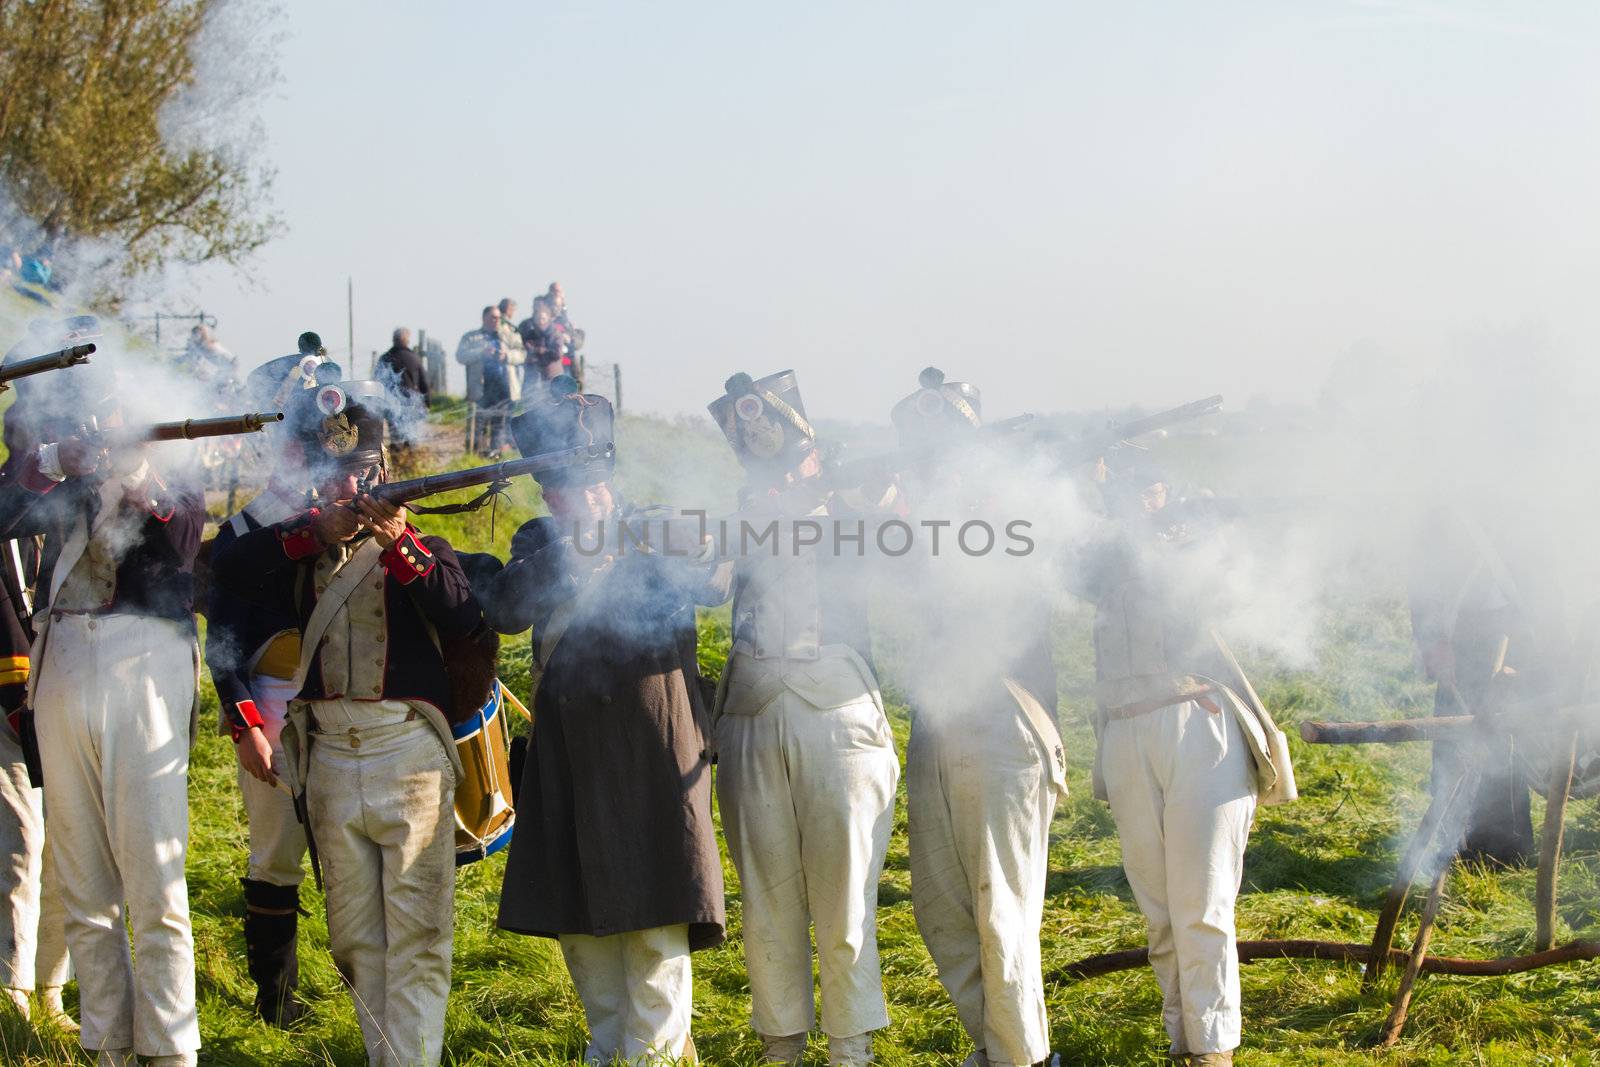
[(106, 133)]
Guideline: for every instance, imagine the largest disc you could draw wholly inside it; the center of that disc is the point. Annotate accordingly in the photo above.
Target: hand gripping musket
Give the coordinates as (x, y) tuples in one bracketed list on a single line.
[(59, 360), (492, 475)]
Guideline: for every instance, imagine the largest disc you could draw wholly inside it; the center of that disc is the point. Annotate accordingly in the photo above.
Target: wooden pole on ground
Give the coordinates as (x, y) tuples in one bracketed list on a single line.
[(1416, 852), (1555, 817), (1419, 952)]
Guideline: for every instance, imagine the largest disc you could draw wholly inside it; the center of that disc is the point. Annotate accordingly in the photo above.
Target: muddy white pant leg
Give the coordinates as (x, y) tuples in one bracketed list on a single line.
[(411, 814), (981, 805), (352, 876), (595, 964), (1179, 781), (277, 840), (660, 993), (758, 822), (21, 861), (53, 964), (637, 992), (380, 802), (1210, 804), (843, 771), (113, 704), (941, 896)]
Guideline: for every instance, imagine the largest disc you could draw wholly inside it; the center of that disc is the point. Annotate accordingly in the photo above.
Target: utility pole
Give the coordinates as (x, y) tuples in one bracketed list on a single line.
[(350, 312)]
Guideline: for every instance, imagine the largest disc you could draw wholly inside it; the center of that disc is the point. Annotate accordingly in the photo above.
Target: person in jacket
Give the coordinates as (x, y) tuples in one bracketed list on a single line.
[(985, 764), (113, 694), (806, 763), (368, 742), (615, 855)]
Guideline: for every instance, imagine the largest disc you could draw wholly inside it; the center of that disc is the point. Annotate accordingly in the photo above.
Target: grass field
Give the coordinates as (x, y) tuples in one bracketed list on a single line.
[(1316, 868)]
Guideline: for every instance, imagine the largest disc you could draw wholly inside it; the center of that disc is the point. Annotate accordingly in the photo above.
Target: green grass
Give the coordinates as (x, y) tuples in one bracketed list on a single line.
[(1316, 868)]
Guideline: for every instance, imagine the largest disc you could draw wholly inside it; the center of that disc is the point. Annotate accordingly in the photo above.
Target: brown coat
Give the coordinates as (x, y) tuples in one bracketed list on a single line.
[(614, 828)]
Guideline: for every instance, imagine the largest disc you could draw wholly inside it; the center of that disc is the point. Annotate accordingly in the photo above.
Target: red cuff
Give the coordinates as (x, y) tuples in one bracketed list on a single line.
[(35, 480), (245, 719), (298, 538), (407, 559)]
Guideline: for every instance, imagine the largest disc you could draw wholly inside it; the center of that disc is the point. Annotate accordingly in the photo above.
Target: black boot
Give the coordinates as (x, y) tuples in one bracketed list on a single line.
[(271, 917)]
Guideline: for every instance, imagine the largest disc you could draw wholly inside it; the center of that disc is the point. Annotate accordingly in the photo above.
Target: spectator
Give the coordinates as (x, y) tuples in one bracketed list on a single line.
[(402, 369), (482, 353), (37, 268), (206, 360), (511, 344), (403, 374), (474, 347), (10, 265), (547, 347)]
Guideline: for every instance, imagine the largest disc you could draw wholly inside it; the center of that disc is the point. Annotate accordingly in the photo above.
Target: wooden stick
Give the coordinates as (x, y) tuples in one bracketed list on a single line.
[(511, 698), (1347, 952), (1541, 720), (1417, 851), (1555, 817), (1446, 727), (1419, 953)]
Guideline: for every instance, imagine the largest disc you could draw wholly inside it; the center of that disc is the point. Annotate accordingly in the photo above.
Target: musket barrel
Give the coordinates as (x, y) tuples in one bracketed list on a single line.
[(433, 484), (190, 429), (59, 360)]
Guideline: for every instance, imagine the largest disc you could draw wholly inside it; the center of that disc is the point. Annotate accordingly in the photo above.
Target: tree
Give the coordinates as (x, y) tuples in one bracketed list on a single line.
[(110, 140)]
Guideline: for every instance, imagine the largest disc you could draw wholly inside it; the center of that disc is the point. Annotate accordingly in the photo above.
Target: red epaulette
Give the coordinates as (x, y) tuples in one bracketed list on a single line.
[(299, 540)]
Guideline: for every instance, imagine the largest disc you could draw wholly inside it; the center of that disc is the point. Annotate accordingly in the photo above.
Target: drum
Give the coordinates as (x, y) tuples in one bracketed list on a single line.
[(484, 815)]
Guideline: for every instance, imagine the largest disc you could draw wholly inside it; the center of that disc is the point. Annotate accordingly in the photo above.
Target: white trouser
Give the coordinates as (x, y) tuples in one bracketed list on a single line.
[(381, 804), (807, 799), (113, 702), (33, 945), (277, 840), (21, 866), (636, 991), (1182, 792), (980, 801), (52, 963)]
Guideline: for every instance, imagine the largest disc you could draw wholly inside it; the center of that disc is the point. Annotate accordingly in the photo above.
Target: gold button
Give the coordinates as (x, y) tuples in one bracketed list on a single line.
[(355, 742), (381, 637)]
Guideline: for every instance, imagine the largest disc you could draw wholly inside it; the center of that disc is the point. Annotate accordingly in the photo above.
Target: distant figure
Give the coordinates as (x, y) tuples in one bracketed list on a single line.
[(511, 345), (37, 269), (10, 265), (1488, 616), (402, 371), (548, 349), (482, 353), (205, 359)]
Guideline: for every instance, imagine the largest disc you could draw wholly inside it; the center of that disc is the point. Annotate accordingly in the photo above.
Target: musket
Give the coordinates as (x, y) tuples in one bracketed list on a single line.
[(190, 429), (58, 360), (1097, 443), (416, 488)]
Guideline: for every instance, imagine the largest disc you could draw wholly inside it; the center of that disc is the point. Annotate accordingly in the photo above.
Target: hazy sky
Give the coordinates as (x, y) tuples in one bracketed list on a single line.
[(1068, 204)]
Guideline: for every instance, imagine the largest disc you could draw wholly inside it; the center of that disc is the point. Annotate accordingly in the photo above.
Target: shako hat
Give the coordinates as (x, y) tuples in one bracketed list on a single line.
[(565, 418), (938, 413), (765, 421), (340, 425), (273, 385)]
